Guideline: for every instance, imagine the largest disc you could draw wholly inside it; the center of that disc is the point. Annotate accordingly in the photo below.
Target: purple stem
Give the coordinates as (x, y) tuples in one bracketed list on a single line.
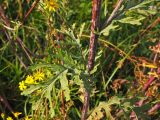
[(96, 5), (146, 86), (154, 108)]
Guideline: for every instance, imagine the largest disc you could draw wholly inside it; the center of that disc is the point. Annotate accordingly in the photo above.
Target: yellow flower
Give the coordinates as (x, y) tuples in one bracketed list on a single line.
[(16, 114), (29, 80), (22, 86), (39, 75), (51, 5), (27, 118), (9, 118), (2, 115)]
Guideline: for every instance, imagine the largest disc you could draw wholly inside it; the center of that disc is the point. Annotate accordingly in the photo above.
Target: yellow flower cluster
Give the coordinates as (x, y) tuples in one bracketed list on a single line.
[(22, 86), (32, 79), (16, 114), (2, 115), (9, 118), (51, 5)]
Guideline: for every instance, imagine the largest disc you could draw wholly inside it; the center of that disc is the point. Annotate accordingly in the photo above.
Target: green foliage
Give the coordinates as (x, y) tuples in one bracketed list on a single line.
[(132, 15), (56, 43), (106, 106)]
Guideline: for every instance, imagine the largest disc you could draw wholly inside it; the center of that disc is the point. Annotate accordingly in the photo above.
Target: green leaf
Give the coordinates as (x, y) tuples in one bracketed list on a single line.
[(52, 113), (77, 79), (64, 84), (126, 106), (110, 27), (31, 89), (143, 4), (94, 69), (114, 100), (108, 112), (146, 12), (48, 95), (81, 31), (97, 112), (132, 20)]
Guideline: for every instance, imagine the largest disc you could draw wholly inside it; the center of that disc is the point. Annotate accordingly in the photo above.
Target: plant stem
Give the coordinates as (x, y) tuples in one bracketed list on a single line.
[(113, 14), (85, 105), (96, 5), (31, 9), (152, 78), (154, 108)]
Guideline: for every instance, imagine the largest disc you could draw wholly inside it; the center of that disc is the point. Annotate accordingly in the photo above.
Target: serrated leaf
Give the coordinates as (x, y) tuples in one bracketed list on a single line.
[(94, 69), (96, 116), (48, 95), (77, 79), (106, 106), (114, 100), (126, 106), (31, 89), (110, 27), (81, 31), (108, 113), (146, 12), (132, 20), (143, 4), (64, 84)]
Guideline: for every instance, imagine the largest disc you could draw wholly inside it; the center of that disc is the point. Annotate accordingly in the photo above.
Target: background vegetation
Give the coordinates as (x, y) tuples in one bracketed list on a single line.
[(44, 57)]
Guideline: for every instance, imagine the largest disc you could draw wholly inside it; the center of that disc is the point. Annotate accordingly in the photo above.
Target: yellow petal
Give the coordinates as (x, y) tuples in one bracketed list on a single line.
[(149, 65)]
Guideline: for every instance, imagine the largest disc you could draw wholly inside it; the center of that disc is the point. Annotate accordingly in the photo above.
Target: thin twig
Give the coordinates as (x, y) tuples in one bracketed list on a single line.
[(4, 18), (5, 102), (31, 9), (14, 49), (27, 52), (7, 22), (113, 14)]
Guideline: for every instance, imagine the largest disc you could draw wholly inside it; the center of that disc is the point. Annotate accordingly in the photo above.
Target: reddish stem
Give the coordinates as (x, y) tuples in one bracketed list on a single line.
[(154, 108), (96, 5), (146, 86), (152, 78), (31, 9), (113, 14)]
